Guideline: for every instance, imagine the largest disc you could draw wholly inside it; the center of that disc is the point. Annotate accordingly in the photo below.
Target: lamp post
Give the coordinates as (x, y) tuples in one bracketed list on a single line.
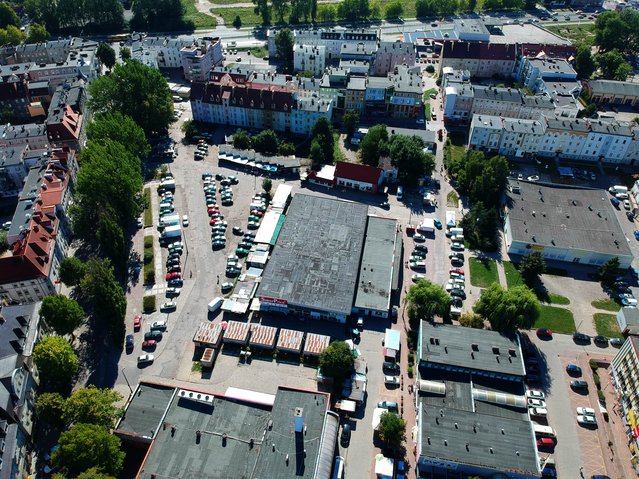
[(127, 381)]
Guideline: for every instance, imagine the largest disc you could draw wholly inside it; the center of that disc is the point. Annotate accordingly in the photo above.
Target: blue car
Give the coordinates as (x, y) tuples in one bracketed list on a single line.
[(573, 369), (438, 224), (637, 234)]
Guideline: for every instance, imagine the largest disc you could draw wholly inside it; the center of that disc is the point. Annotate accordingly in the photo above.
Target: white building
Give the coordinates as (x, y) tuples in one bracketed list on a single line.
[(391, 54), (309, 58), (200, 57), (331, 39)]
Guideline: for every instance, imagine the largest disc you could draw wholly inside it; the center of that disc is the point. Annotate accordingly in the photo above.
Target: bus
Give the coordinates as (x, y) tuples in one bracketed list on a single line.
[(543, 431)]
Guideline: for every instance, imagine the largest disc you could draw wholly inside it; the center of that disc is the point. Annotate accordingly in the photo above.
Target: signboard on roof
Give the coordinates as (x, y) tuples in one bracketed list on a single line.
[(277, 301)]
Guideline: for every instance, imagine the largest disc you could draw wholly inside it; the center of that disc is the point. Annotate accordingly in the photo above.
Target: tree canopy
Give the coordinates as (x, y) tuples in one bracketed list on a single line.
[(94, 473), (392, 430), (85, 446), (135, 90), (425, 301), (618, 31), (608, 272), (4, 243), (91, 405), (284, 44), (49, 408), (585, 64), (613, 65), (471, 320), (37, 34), (8, 16), (337, 360), (106, 54), (531, 266), (374, 145), (350, 121), (77, 16), (56, 361), (481, 226), (480, 178), (323, 144), (266, 141), (407, 154), (508, 309), (241, 140), (72, 271), (159, 15), (61, 314)]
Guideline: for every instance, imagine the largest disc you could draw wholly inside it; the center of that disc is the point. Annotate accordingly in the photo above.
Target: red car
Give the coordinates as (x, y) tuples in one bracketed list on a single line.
[(137, 322), (544, 333), (457, 270), (257, 213), (173, 276), (545, 442), (149, 344)]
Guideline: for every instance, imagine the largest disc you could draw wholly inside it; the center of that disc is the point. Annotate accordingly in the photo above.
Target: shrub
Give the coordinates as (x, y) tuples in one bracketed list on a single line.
[(148, 304), (597, 380), (410, 371), (593, 364), (430, 69), (601, 396), (148, 241), (149, 276), (148, 257)]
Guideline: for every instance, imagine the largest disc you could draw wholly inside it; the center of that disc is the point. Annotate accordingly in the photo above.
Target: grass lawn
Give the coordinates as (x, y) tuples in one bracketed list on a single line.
[(426, 98), (200, 20), (247, 14), (148, 304), (513, 278), (337, 152), (148, 213), (149, 263), (560, 320), (579, 34), (456, 147), (558, 299), (452, 199), (607, 325), (606, 304), (483, 273)]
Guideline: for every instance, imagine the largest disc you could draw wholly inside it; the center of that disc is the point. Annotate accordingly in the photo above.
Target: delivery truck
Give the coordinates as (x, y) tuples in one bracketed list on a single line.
[(171, 233), (429, 200), (616, 189), (169, 220)]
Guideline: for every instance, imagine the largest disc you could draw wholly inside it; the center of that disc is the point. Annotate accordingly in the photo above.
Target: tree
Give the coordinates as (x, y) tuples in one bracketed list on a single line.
[(508, 310), (61, 314), (135, 90), (394, 9), (407, 154), (267, 184), (94, 473), (110, 235), (56, 362), (286, 149), (425, 301), (373, 144), (121, 128), (237, 23), (482, 180), (8, 16), (37, 34), (263, 10), (471, 320), (159, 15), (323, 144), (78, 16), (316, 153), (241, 140), (618, 31), (125, 54), (11, 36), (392, 430), (4, 243), (424, 8), (608, 272), (326, 13), (85, 446), (284, 45), (49, 408), (107, 297), (531, 266), (280, 7), (266, 141), (72, 271), (106, 54), (350, 120), (613, 65), (337, 361), (91, 405), (190, 130), (584, 63)]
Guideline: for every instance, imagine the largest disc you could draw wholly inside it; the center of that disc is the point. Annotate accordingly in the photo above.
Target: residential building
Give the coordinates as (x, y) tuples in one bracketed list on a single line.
[(360, 51), (40, 231), (39, 98), (624, 368), (406, 100), (482, 60), (333, 86), (613, 92), (310, 58), (587, 231), (508, 136), (355, 94), (31, 134), (331, 39), (471, 30), (14, 92), (15, 163), (51, 51), (257, 100), (19, 330), (534, 71), (243, 433), (392, 54), (65, 120), (200, 57), (472, 414), (628, 321), (358, 177)]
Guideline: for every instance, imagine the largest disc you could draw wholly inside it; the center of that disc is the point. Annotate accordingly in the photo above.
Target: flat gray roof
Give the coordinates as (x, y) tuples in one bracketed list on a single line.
[(315, 260), (613, 87), (146, 409), (376, 269), (565, 217), (527, 33), (470, 349)]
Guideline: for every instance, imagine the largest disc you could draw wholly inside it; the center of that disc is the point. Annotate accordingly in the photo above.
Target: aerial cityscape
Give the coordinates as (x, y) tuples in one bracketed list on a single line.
[(319, 239)]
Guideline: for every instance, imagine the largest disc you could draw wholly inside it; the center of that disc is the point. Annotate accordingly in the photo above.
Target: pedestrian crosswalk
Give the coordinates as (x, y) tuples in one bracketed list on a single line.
[(155, 289)]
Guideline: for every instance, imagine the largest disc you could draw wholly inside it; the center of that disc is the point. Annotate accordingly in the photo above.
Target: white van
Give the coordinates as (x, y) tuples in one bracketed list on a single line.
[(543, 431), (215, 304), (338, 470), (618, 189), (400, 193)]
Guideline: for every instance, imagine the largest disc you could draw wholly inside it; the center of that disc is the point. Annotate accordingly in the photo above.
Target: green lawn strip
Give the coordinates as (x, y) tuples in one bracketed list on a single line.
[(148, 213), (559, 320), (148, 304), (199, 19), (149, 261), (606, 325), (247, 14), (558, 299), (337, 151), (483, 273), (452, 199), (513, 278), (606, 304)]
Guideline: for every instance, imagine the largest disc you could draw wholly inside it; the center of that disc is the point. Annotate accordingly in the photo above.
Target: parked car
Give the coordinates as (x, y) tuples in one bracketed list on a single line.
[(458, 292), (585, 411), (390, 405), (145, 359), (417, 277), (129, 342), (533, 394), (168, 306), (390, 366), (155, 335), (150, 344), (617, 342), (345, 438), (456, 270), (544, 333), (158, 326), (238, 231), (457, 245), (545, 442), (421, 247), (587, 420), (419, 237), (600, 340), (391, 380), (226, 287), (580, 337), (137, 322), (536, 403), (579, 384), (573, 369)]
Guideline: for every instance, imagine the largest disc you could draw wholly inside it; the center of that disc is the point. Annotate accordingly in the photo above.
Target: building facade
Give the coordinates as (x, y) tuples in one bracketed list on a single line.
[(310, 58), (198, 59), (625, 374)]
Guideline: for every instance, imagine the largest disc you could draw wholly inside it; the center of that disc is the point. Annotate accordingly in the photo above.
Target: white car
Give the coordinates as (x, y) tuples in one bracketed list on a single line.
[(456, 245), (536, 403), (391, 380), (185, 220), (419, 237), (532, 394), (173, 291), (168, 306), (587, 420), (585, 411), (140, 223), (145, 359), (538, 411), (626, 204), (533, 178), (417, 277)]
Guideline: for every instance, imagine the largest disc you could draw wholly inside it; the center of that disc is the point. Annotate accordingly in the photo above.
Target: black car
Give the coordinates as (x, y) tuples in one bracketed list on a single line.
[(600, 339), (630, 215), (238, 231), (419, 253), (249, 235), (579, 384), (581, 337), (345, 438), (155, 335), (390, 366), (129, 342), (457, 292), (421, 247), (220, 177)]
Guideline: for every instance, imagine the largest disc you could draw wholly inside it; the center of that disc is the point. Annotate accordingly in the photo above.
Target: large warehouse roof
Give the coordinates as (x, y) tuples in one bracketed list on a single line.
[(568, 217), (315, 260)]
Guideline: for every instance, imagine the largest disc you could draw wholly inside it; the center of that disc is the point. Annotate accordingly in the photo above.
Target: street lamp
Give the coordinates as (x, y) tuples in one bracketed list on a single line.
[(127, 381)]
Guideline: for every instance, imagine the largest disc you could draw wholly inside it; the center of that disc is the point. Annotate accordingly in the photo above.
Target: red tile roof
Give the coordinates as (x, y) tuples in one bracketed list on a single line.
[(357, 172)]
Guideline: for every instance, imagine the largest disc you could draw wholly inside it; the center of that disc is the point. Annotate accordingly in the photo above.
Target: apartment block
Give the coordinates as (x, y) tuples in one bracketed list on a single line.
[(309, 58), (65, 119), (392, 54), (625, 374), (200, 57)]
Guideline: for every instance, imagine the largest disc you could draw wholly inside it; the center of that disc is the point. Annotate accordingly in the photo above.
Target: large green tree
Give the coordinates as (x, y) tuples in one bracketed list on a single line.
[(4, 243), (106, 54), (135, 90), (72, 271), (263, 9), (531, 266), (266, 141), (425, 300), (508, 310), (50, 408), (337, 361), (241, 140), (480, 178), (284, 44), (412, 163), (111, 237), (61, 314), (618, 31), (56, 361), (159, 15), (350, 121), (393, 10), (37, 34), (481, 226), (374, 144), (75, 16), (323, 144), (8, 16), (392, 430), (613, 65), (91, 405), (94, 473), (608, 272), (584, 63), (115, 126), (85, 446)]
